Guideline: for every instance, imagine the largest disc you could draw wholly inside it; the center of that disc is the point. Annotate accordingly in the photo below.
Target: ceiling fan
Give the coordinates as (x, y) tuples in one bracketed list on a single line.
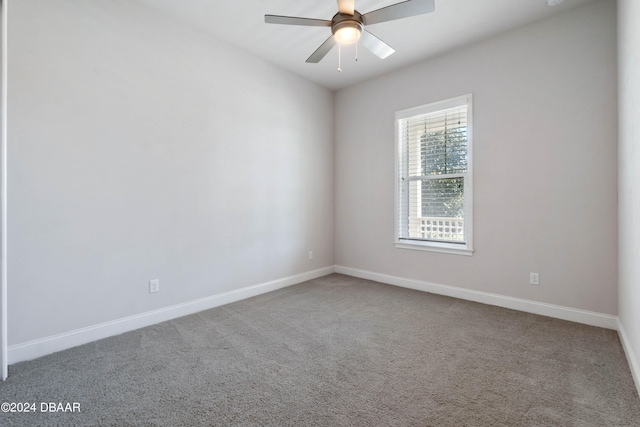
[(348, 25)]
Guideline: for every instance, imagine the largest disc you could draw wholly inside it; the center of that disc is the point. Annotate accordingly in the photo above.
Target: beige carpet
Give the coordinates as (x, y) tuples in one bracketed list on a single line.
[(338, 351)]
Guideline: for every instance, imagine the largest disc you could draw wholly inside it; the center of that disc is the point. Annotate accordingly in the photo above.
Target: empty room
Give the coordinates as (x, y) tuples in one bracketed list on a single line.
[(320, 213)]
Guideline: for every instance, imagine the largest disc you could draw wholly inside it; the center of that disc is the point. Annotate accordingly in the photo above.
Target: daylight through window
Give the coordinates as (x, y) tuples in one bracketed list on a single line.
[(434, 176)]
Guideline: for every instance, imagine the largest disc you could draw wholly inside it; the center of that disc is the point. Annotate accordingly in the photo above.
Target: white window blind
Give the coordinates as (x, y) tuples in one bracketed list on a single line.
[(433, 166)]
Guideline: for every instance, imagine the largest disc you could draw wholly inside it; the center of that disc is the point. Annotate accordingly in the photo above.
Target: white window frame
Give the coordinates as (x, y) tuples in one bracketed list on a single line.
[(444, 247)]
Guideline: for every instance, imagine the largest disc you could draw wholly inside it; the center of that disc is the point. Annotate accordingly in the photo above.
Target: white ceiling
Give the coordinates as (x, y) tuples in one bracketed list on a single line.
[(454, 23)]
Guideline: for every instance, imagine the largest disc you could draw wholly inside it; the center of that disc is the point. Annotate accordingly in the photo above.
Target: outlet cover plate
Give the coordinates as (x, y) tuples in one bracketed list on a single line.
[(534, 279)]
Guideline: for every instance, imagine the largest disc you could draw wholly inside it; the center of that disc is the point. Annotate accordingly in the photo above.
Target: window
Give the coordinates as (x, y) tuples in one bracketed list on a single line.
[(433, 168)]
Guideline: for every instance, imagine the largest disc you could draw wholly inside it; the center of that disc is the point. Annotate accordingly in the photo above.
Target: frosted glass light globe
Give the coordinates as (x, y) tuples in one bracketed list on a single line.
[(347, 35)]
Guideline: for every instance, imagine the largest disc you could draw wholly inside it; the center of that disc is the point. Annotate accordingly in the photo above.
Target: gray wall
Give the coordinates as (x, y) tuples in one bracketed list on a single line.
[(629, 178), (143, 149), (544, 168), (4, 371)]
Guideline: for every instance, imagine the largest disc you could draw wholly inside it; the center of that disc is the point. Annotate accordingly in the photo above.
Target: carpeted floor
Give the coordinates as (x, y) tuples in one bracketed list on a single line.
[(338, 351)]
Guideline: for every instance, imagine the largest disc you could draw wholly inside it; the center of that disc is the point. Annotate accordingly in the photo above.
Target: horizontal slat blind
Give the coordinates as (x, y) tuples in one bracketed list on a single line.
[(432, 167)]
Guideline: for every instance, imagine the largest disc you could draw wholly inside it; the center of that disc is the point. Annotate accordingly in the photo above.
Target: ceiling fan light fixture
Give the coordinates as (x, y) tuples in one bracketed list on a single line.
[(347, 32), (347, 26)]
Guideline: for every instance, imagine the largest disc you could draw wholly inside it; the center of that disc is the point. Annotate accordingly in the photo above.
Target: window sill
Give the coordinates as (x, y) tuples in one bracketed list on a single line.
[(446, 248)]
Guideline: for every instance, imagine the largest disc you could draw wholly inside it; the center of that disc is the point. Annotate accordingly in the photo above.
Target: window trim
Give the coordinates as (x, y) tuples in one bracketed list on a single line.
[(442, 247)]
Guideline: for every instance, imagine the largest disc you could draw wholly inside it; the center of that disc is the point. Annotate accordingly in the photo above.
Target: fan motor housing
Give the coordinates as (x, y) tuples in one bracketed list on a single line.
[(341, 20)]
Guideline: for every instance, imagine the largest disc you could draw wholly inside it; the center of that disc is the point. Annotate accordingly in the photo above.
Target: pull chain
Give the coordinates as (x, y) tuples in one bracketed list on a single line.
[(356, 51), (339, 54)]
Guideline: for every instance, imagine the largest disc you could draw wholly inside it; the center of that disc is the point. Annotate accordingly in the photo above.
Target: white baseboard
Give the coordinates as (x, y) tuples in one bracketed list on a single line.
[(634, 364), (41, 347), (559, 312)]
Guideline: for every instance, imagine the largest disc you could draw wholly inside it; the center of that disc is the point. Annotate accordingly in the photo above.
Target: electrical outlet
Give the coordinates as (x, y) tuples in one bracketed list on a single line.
[(154, 286), (534, 279), (310, 254)]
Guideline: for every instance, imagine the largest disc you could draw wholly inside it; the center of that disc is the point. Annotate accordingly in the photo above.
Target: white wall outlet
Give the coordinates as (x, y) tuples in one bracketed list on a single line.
[(534, 279), (310, 254), (154, 286)]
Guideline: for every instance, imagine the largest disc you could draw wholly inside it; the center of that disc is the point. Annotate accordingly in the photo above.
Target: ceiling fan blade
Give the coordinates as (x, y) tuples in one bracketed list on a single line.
[(294, 20), (375, 45), (398, 11), (322, 50), (346, 6)]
